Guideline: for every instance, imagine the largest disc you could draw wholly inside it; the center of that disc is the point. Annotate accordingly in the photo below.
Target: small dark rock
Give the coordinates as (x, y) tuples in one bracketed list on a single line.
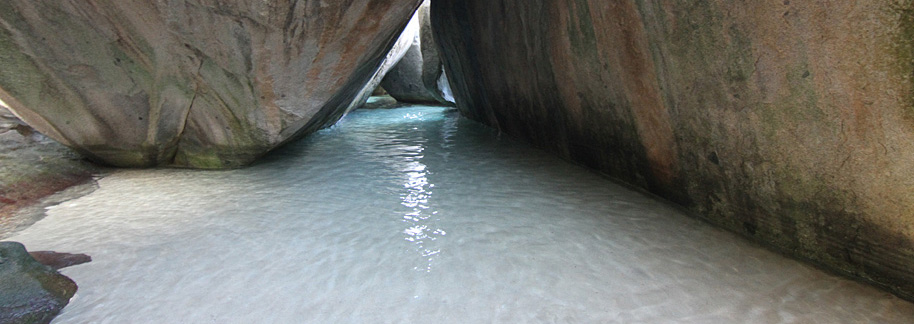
[(381, 102), (58, 260), (30, 292)]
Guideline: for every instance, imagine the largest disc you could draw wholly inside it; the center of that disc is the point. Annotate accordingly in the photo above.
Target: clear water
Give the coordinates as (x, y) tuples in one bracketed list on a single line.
[(419, 216)]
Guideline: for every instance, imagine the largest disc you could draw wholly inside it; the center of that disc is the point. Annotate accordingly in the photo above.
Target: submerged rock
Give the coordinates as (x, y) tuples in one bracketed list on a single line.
[(29, 291), (789, 122), (192, 83), (419, 77), (58, 260)]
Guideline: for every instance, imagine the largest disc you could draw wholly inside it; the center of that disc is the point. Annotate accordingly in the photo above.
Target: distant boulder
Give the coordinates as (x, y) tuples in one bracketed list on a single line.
[(419, 77)]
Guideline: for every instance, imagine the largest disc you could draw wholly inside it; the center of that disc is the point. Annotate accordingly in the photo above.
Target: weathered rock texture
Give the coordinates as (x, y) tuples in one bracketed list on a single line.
[(197, 83), (791, 122), (29, 291), (419, 77)]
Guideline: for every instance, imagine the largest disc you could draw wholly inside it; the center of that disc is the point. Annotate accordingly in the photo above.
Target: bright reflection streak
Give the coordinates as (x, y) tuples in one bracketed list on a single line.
[(421, 229)]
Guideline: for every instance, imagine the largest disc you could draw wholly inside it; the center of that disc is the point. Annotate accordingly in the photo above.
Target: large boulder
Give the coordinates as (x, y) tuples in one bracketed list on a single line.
[(195, 83), (30, 292), (419, 77), (791, 122)]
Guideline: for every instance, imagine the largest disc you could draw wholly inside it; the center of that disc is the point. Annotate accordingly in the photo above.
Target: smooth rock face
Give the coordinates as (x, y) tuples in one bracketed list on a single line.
[(196, 83), (790, 122), (29, 291), (405, 79), (419, 77)]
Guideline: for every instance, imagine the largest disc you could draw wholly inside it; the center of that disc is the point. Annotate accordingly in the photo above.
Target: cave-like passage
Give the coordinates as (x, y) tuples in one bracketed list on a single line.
[(419, 215)]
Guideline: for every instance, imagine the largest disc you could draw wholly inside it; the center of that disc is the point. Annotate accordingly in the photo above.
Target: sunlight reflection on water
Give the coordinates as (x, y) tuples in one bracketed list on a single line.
[(420, 217)]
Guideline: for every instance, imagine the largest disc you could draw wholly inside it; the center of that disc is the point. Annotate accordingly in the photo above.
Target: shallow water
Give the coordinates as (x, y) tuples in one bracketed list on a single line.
[(417, 215)]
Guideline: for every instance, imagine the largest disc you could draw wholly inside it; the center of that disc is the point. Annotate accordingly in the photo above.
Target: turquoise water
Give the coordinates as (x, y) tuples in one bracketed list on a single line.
[(418, 215)]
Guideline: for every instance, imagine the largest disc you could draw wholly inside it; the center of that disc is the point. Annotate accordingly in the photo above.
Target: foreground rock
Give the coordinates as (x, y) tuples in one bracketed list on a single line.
[(419, 77), (29, 291), (195, 83), (791, 122)]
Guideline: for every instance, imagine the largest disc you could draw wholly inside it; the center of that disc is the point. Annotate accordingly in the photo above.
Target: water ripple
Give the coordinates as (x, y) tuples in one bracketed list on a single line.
[(417, 215)]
